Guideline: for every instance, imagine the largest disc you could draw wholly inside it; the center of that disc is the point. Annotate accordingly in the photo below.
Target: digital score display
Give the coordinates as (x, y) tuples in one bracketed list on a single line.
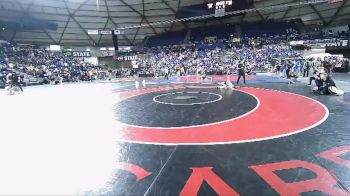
[(220, 5), (229, 5)]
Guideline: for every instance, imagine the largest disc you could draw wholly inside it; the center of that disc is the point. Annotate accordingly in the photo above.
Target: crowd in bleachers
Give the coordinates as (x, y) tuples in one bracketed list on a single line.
[(191, 59), (207, 51), (41, 63), (255, 54), (214, 50), (270, 29)]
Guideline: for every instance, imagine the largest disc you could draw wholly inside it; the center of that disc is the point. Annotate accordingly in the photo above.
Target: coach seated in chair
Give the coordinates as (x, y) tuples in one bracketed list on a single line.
[(326, 86)]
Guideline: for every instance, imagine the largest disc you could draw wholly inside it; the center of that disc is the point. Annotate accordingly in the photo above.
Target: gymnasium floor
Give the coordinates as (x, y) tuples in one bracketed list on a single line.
[(183, 136)]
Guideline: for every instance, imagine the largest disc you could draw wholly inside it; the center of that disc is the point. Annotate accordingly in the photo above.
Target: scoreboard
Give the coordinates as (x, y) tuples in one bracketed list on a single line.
[(219, 7), (219, 4)]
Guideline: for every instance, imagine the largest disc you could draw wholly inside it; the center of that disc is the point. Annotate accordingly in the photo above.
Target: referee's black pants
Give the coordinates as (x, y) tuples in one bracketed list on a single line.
[(239, 77), (19, 86)]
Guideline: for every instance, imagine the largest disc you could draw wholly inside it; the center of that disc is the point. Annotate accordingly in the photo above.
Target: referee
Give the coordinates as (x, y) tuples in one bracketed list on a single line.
[(241, 72)]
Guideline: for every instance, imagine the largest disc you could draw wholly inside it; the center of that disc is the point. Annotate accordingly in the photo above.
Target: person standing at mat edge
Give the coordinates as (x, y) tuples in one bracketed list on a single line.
[(241, 72), (166, 73)]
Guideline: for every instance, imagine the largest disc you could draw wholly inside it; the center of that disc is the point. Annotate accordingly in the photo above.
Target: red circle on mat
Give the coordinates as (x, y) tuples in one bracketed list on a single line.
[(278, 114)]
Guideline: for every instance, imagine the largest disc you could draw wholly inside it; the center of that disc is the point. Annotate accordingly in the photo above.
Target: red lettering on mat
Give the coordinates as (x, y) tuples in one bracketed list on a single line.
[(324, 181)]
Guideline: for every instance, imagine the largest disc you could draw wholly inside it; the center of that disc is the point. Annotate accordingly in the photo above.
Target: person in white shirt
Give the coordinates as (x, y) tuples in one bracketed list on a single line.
[(166, 74), (227, 84)]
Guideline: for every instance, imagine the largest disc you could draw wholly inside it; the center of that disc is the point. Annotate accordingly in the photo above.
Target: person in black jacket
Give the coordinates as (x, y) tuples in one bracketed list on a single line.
[(16, 81), (327, 86), (241, 72), (2, 78), (307, 66), (327, 82)]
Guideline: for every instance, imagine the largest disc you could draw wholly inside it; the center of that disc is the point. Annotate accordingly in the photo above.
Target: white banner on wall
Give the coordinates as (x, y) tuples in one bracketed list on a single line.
[(93, 32), (81, 54), (127, 58), (338, 43)]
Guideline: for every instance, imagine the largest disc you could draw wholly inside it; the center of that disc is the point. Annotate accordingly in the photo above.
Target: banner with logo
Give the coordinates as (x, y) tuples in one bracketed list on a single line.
[(339, 43), (127, 58), (79, 54)]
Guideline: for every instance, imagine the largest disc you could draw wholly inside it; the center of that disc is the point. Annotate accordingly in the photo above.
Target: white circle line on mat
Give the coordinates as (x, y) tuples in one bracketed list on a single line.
[(187, 104)]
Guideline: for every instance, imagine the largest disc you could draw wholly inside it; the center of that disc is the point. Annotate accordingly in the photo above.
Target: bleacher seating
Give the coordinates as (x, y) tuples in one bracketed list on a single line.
[(267, 28), (220, 31), (272, 30), (171, 38)]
